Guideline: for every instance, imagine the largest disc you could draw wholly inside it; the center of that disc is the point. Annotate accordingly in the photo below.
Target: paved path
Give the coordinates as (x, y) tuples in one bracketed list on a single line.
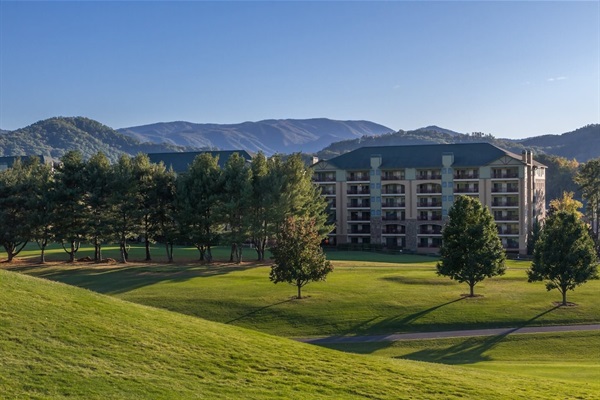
[(448, 334)]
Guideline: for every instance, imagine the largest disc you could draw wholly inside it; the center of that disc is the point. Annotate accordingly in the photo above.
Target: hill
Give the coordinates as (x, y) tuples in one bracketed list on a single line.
[(269, 136), (582, 144), (55, 136), (58, 341)]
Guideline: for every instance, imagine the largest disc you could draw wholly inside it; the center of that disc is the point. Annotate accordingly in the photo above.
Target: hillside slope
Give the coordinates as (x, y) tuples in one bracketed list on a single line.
[(269, 136), (58, 341), (55, 136), (581, 144)]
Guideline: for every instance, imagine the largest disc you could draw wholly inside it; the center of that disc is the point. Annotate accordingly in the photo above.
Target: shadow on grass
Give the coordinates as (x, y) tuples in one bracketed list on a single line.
[(258, 310), (122, 278), (469, 351)]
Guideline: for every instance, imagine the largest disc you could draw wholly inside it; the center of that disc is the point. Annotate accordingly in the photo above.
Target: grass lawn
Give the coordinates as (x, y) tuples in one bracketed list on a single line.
[(58, 341), (572, 356), (366, 294)]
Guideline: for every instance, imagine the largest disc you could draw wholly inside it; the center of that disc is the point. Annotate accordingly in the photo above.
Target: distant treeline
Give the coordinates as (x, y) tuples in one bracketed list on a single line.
[(98, 202)]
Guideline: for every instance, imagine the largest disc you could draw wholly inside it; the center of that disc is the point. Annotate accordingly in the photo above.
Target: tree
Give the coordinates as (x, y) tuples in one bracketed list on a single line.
[(564, 255), (299, 258), (164, 215), (125, 201), (266, 194), (236, 195), (566, 203), (70, 211), (145, 175), (199, 203), (16, 191), (98, 182), (588, 179), (471, 248), (41, 205)]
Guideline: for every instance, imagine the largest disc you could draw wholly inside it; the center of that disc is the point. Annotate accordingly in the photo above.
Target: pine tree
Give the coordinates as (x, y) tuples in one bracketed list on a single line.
[(471, 248)]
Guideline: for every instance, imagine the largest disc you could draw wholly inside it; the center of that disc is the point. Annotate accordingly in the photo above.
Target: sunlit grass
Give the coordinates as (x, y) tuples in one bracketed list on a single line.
[(58, 341)]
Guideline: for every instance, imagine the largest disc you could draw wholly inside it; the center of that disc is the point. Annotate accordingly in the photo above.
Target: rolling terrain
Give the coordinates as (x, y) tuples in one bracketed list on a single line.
[(58, 341)]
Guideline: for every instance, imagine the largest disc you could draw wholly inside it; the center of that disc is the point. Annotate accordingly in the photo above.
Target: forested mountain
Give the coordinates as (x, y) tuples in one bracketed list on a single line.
[(269, 136), (55, 136), (419, 136), (582, 144)]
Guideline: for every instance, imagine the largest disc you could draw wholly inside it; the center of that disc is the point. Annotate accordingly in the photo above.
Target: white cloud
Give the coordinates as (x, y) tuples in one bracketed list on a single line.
[(558, 78)]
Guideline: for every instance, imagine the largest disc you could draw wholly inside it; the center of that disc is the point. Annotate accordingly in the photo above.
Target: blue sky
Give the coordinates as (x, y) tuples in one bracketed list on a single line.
[(512, 69)]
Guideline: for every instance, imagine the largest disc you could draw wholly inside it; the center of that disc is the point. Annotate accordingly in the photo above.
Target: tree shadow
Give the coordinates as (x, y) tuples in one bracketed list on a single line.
[(121, 278), (258, 310), (471, 350)]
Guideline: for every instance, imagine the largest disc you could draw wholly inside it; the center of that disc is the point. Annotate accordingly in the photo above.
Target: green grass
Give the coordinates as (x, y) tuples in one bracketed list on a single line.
[(359, 297), (59, 341), (572, 356)]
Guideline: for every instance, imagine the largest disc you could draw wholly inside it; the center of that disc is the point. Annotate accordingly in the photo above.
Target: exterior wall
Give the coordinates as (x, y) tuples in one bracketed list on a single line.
[(406, 208)]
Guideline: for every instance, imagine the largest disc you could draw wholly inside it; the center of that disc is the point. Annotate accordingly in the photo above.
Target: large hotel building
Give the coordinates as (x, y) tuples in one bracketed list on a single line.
[(399, 196)]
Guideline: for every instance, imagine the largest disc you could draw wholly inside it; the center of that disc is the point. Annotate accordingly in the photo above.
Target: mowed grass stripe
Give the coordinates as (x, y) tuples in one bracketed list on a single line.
[(58, 341)]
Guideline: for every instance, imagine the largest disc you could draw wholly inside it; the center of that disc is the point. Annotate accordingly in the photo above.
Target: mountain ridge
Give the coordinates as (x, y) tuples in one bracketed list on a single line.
[(269, 136)]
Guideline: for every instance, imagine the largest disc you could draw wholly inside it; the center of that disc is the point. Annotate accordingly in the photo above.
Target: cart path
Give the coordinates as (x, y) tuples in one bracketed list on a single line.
[(448, 334)]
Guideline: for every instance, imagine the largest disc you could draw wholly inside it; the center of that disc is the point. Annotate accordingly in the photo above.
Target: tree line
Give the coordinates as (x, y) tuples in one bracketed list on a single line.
[(98, 202)]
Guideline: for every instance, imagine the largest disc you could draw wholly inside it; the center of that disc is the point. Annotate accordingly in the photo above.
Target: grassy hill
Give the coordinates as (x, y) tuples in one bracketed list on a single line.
[(58, 341)]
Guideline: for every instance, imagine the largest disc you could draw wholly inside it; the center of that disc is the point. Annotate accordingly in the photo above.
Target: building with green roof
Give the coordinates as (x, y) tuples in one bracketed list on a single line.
[(399, 196)]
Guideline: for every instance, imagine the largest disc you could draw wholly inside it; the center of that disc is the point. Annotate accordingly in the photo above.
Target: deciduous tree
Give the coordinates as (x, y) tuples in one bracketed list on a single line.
[(564, 255), (588, 179), (299, 258), (471, 248)]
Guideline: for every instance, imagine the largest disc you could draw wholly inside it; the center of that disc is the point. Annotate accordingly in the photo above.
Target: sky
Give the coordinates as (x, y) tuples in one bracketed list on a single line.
[(511, 69)]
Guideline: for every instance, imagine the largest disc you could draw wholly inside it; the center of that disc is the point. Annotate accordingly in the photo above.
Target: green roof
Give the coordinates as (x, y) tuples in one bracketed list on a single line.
[(422, 156), (181, 161)]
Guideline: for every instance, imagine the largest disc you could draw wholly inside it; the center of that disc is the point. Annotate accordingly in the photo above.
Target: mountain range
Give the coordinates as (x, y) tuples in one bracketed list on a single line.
[(324, 137), (269, 136)]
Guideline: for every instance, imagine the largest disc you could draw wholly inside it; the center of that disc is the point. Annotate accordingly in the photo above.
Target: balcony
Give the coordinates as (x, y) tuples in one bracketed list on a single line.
[(386, 190), (393, 218), (430, 231), (508, 217), (433, 217), (323, 178), (358, 177), (392, 177), (429, 190), (429, 177), (466, 175), (363, 190), (360, 231), (394, 230), (466, 189), (505, 189), (359, 204), (429, 204), (505, 175), (508, 231), (354, 217), (393, 204), (505, 204)]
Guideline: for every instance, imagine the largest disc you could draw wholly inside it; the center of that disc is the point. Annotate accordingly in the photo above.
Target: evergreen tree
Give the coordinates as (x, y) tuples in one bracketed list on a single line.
[(299, 258), (70, 214), (564, 255), (588, 179), (471, 248), (125, 202), (199, 204), (236, 198), (17, 188), (98, 186), (41, 205)]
